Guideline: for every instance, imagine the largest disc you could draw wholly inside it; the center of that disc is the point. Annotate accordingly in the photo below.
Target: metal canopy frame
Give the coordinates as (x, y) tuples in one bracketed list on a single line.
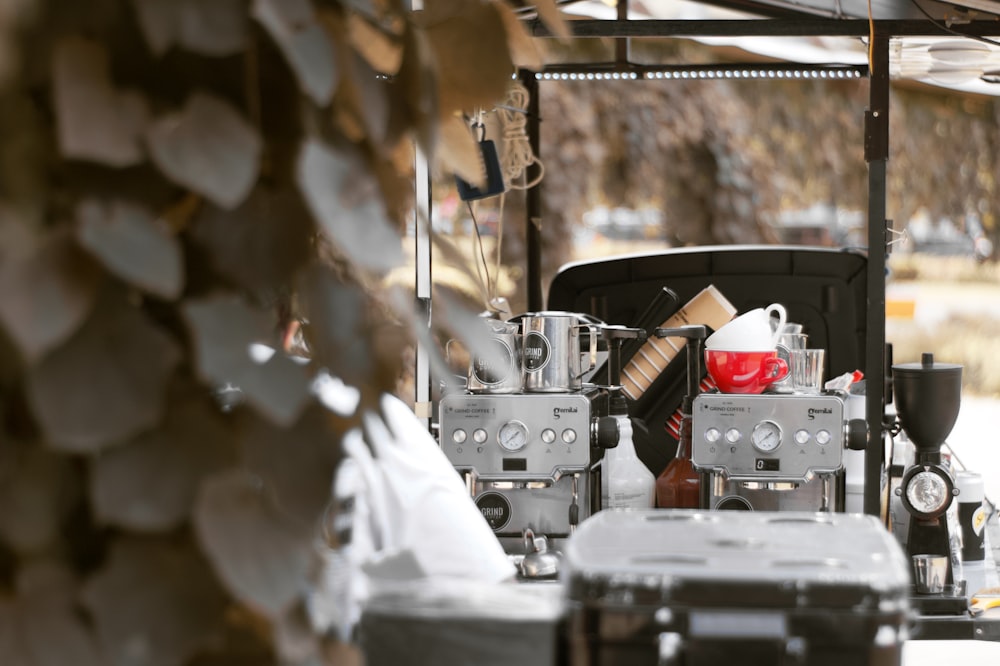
[(876, 151), (766, 27)]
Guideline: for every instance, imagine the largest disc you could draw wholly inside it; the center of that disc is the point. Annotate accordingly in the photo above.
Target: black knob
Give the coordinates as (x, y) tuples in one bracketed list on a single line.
[(857, 434), (574, 514), (606, 432)]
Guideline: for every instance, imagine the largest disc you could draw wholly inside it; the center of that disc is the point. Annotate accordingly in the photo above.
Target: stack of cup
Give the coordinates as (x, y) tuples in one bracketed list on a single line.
[(742, 356)]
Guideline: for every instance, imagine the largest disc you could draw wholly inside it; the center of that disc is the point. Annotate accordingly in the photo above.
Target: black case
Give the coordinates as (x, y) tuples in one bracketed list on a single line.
[(823, 289), (694, 588)]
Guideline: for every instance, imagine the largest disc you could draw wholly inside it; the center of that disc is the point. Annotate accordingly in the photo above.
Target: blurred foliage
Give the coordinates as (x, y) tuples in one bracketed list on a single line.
[(182, 182)]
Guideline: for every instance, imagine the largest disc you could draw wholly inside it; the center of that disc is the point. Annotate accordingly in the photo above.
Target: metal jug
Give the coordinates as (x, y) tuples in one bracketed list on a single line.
[(499, 369), (550, 351)]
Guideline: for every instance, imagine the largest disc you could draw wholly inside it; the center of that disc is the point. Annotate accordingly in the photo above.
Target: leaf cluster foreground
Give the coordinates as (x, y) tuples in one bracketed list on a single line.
[(183, 180)]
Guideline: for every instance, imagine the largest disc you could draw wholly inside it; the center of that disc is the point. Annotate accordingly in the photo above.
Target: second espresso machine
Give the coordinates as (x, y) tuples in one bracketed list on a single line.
[(527, 430), (759, 447), (773, 452)]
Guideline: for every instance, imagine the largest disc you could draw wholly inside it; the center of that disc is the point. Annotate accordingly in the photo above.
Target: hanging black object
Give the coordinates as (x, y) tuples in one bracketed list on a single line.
[(494, 175)]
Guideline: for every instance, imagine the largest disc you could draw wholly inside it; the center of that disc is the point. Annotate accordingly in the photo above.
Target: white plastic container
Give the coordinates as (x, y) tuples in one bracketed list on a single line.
[(627, 482)]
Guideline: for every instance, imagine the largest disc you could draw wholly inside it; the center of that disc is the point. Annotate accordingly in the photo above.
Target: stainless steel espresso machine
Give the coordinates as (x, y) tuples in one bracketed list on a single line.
[(525, 458), (530, 456), (773, 452)]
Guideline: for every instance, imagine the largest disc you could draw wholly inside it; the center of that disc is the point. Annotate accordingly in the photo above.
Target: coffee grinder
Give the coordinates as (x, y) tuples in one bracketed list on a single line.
[(927, 399)]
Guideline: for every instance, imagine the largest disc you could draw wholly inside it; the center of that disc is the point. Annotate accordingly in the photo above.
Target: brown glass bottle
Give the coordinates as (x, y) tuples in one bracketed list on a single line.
[(678, 486)]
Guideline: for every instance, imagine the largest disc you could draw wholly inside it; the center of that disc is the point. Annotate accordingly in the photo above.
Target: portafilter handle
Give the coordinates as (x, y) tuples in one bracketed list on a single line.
[(615, 336), (693, 335)]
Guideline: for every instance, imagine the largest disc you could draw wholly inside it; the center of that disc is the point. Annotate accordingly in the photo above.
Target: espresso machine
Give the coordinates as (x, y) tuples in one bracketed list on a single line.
[(525, 459), (927, 400), (773, 452), (530, 456)]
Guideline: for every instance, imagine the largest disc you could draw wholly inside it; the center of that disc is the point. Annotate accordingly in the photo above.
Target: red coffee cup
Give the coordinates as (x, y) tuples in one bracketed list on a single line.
[(744, 371)]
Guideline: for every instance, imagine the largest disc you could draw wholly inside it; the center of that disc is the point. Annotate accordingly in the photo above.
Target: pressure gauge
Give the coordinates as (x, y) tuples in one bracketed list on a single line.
[(927, 491), (766, 436), (513, 436)]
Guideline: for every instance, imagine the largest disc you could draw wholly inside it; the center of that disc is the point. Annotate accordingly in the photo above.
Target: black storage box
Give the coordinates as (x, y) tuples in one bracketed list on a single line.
[(695, 588), (823, 289), (457, 622)]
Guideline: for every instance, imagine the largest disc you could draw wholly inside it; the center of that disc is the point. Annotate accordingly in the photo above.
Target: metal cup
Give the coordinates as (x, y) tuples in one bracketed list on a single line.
[(550, 352), (792, 338), (929, 573), (498, 368)]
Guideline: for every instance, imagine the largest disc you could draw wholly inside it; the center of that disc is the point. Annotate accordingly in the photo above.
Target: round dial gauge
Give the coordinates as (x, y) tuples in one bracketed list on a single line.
[(927, 492), (513, 436), (766, 436)]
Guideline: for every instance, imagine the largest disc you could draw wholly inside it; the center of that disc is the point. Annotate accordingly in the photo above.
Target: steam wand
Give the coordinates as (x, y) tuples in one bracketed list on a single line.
[(615, 336), (679, 485)]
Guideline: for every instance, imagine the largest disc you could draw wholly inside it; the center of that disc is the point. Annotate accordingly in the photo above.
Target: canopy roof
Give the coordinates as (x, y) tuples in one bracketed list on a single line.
[(954, 45)]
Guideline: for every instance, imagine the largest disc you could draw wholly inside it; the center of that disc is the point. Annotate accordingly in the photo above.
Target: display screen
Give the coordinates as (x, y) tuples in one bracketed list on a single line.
[(767, 464), (515, 464)]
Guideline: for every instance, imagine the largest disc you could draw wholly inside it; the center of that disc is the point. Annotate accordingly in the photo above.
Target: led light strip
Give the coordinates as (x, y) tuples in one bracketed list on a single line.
[(749, 73)]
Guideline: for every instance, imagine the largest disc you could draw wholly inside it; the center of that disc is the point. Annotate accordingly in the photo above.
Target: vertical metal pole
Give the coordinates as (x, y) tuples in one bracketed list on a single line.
[(877, 156), (622, 44), (422, 406), (533, 198)]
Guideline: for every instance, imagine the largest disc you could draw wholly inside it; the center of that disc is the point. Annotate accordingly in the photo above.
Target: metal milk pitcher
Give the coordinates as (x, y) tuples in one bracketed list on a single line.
[(550, 351), (498, 368)]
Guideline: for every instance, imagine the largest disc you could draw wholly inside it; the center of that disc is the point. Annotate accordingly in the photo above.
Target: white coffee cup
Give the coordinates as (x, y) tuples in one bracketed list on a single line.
[(751, 331)]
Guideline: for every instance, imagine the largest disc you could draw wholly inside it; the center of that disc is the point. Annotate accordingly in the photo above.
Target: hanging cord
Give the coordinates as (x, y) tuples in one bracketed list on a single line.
[(871, 41), (495, 302), (488, 285), (517, 153), (516, 157)]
